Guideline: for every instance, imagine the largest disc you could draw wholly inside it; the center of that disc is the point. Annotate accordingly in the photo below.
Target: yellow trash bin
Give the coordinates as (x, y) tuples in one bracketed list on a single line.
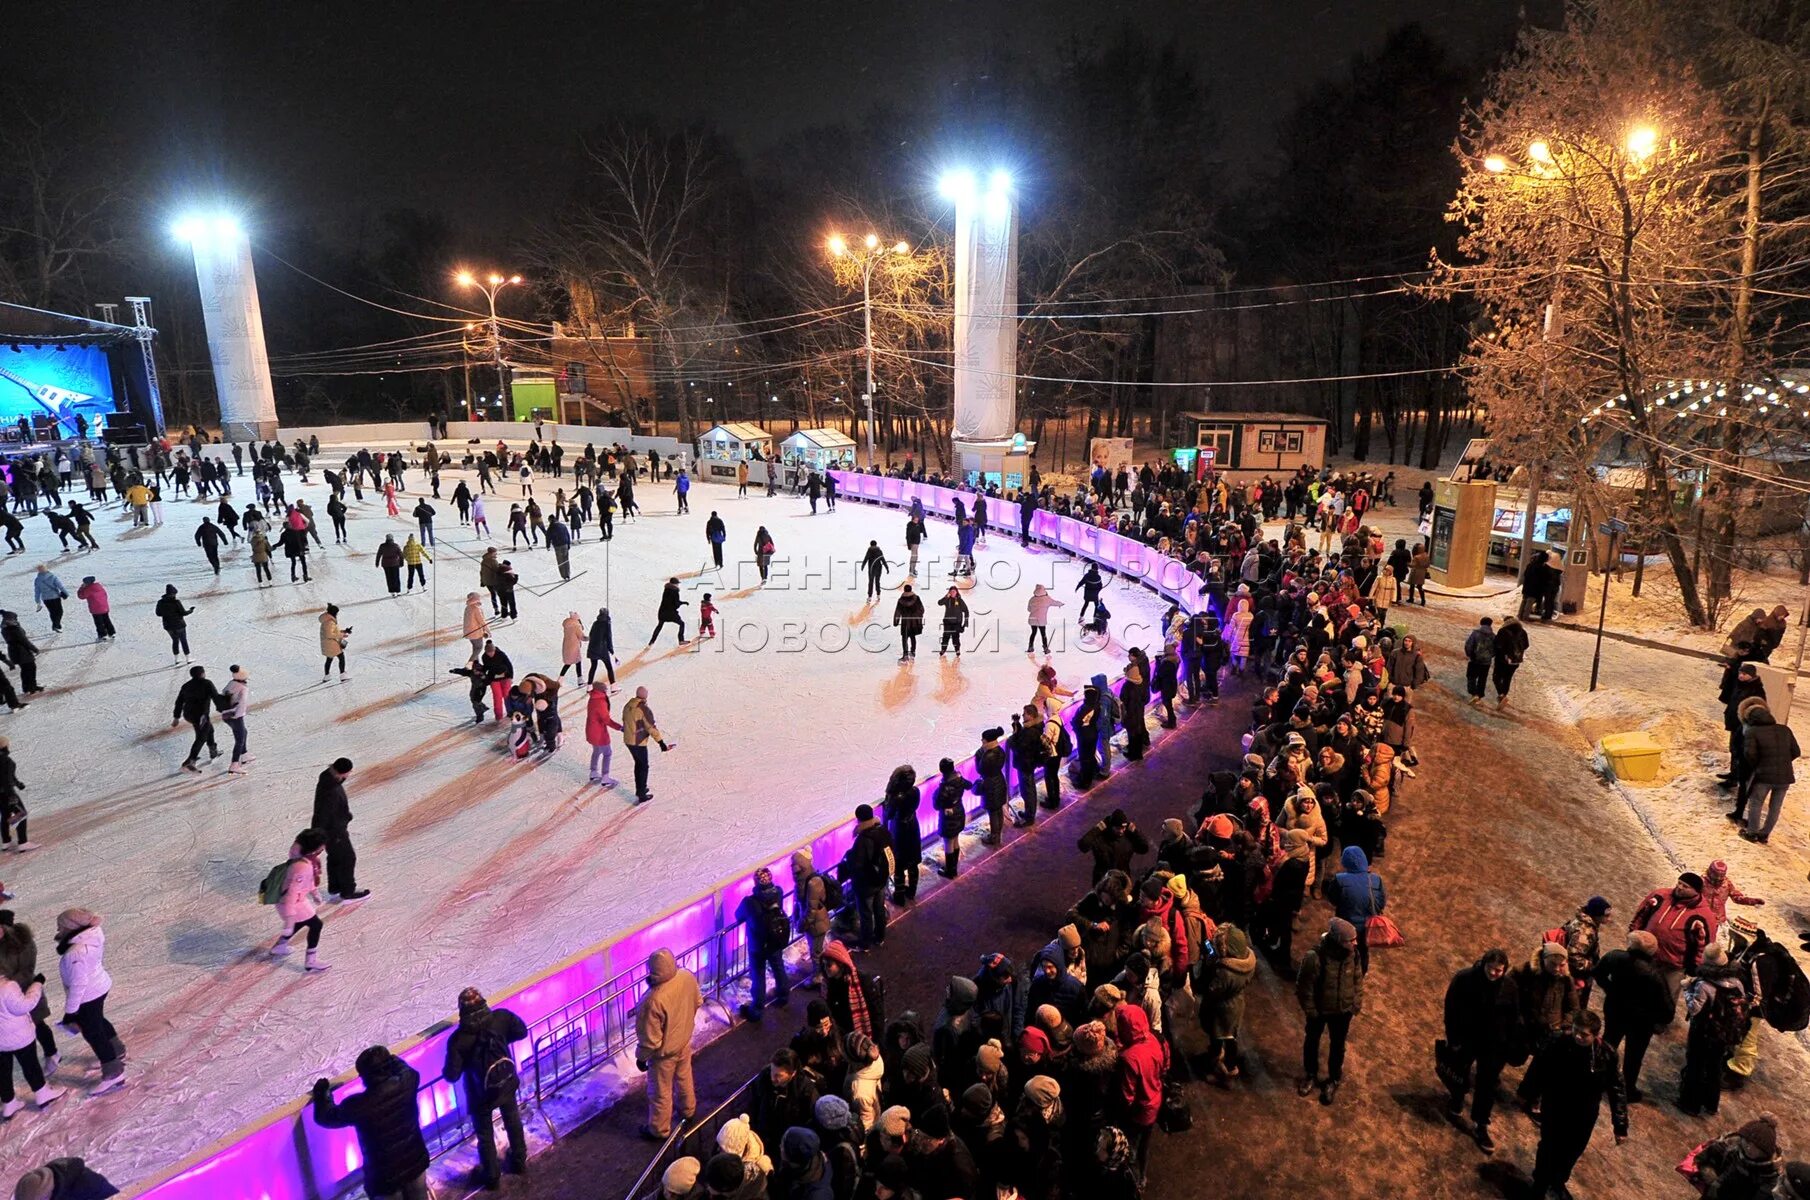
[(1634, 757)]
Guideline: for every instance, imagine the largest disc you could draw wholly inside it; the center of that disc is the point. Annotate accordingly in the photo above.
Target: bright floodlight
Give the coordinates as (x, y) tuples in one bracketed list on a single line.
[(836, 245), (871, 240), (226, 228), (1540, 152), (190, 229), (957, 185), (1642, 141), (1495, 164), (464, 279), (901, 248), (515, 279), (495, 279), (999, 183)]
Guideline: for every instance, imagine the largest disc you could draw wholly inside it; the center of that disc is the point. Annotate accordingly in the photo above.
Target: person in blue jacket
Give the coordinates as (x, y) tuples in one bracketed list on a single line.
[(1357, 894), (964, 548)]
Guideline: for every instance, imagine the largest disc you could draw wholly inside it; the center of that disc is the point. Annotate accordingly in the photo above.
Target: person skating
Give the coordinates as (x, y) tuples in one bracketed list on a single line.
[(476, 625), (389, 560), (1089, 587), (294, 541), (392, 1151), (1576, 1072), (875, 564), (638, 729), (19, 963), (498, 675), (597, 725), (669, 613), (196, 702), (664, 1023), (236, 703), (1636, 1004), (209, 537), (21, 652), (48, 593), (506, 580), (14, 830), (571, 645), (174, 616), (763, 552), (908, 615), (716, 533), (413, 556), (100, 609), (681, 487), (762, 914), (914, 540), (260, 557), (296, 897), (1330, 989), (81, 947), (1038, 614), (600, 647), (18, 1042), (479, 1054), (332, 818), (955, 620), (333, 641)]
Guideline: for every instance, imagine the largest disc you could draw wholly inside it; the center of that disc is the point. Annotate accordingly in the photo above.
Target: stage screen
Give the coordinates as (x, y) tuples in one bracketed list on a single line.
[(53, 381)]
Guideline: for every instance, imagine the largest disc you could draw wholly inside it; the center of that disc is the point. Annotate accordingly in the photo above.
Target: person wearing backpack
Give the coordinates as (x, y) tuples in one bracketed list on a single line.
[(769, 931), (478, 1052), (1719, 1006), (294, 888), (870, 863), (385, 1119), (1479, 655)]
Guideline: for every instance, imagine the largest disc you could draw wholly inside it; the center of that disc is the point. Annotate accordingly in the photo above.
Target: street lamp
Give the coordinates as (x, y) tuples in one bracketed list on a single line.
[(490, 286), (871, 252)]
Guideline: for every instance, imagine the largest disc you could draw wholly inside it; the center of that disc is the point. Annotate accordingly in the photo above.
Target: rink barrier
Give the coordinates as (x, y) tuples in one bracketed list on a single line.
[(696, 1138), (579, 1010)]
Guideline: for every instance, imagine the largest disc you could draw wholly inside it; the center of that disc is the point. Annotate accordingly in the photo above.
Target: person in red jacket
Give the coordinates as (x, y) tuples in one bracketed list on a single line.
[(597, 725), (98, 607), (1682, 923), (1143, 1062)]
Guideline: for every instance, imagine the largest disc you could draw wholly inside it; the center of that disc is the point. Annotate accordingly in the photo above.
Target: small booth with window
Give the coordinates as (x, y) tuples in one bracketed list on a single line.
[(817, 450), (724, 447), (1249, 445)]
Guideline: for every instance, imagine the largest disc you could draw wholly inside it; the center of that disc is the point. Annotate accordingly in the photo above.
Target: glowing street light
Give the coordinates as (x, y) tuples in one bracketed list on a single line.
[(872, 253), (1495, 164), (1540, 152), (1642, 141), (493, 284)]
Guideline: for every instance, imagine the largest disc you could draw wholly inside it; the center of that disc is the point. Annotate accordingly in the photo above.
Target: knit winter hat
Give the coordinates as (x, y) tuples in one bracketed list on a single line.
[(74, 920), (799, 1146), (1596, 907), (1048, 1018), (1108, 996), (733, 1138), (831, 1112), (680, 1178), (1178, 886), (1070, 937), (1342, 931), (723, 1173), (815, 1012), (1554, 950), (895, 1121), (861, 1048), (963, 991), (1643, 943), (1716, 870), (36, 1185), (1762, 1133), (1034, 1041), (990, 1057), (975, 1103), (1090, 1039), (1043, 1090), (934, 1122), (1714, 955), (1173, 828)]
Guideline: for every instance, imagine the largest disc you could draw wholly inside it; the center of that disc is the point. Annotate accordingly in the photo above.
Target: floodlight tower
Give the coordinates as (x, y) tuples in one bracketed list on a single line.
[(235, 326), (988, 446)]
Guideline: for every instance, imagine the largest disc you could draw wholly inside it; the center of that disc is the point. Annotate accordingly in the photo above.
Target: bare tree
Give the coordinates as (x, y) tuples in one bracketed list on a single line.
[(59, 211)]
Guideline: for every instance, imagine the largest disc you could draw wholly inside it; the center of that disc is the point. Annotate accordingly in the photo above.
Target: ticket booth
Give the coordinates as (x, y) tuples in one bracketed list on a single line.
[(1459, 533), (725, 447)]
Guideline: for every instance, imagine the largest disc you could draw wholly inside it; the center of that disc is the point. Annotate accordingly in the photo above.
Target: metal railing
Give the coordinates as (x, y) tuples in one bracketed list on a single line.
[(696, 1138)]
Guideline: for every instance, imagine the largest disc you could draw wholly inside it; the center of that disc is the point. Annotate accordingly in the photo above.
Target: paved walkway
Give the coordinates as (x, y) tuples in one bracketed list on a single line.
[(1012, 900)]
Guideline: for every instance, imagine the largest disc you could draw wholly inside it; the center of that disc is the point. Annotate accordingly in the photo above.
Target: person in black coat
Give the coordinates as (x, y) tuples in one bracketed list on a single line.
[(385, 1119), (670, 603), (908, 615), (782, 1096), (1576, 1073), (65, 1179), (21, 652), (869, 870), (951, 803), (332, 817), (600, 647), (209, 537), (1636, 1003), (1482, 1026), (901, 811), (1113, 842), (196, 701), (478, 1052)]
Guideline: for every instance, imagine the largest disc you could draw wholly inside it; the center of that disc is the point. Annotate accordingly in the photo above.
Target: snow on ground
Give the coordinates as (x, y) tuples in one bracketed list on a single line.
[(483, 870)]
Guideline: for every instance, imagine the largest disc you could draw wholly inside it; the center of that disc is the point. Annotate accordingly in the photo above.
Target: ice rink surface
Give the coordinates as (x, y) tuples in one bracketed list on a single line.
[(483, 869)]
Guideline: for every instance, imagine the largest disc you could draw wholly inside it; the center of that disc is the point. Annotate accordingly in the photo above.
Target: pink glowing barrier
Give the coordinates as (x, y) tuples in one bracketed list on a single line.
[(286, 1156)]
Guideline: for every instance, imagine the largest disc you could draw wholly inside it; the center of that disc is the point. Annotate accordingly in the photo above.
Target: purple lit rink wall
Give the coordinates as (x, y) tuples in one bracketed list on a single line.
[(285, 1156)]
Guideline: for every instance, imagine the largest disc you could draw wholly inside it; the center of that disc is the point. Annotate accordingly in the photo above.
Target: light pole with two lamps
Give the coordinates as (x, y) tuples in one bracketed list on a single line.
[(870, 252), (490, 285)]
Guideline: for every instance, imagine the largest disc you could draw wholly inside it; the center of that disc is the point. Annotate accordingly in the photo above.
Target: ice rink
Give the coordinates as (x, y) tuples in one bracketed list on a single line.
[(483, 870)]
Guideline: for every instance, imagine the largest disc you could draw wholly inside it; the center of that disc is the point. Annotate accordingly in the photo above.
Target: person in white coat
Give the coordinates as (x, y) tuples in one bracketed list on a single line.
[(19, 1043), (1039, 608), (1238, 635), (300, 896), (81, 946), (238, 696), (571, 646), (477, 625)]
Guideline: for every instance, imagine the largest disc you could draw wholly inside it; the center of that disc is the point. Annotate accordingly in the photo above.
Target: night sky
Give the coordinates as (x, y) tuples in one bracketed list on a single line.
[(326, 111)]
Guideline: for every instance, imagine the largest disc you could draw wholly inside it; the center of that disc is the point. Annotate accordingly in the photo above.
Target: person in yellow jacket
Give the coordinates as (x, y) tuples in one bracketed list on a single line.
[(414, 554), (138, 499), (638, 729)]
